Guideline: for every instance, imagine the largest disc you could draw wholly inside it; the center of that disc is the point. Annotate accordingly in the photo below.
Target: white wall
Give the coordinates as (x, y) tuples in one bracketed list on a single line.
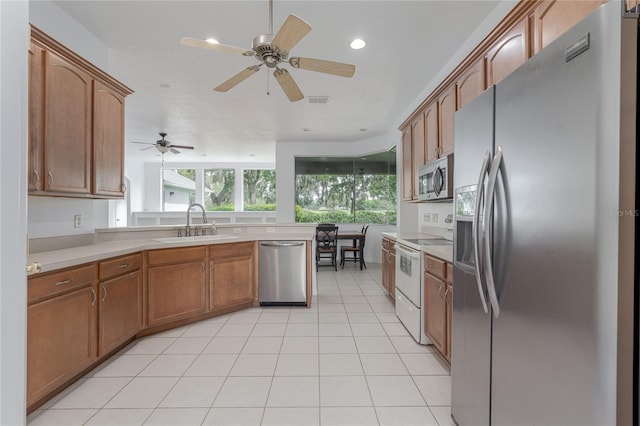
[(14, 42), (51, 216)]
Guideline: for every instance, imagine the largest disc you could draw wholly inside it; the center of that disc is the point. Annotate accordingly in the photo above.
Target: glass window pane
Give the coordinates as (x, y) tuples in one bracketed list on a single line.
[(218, 189), (178, 189), (259, 190), (346, 189)]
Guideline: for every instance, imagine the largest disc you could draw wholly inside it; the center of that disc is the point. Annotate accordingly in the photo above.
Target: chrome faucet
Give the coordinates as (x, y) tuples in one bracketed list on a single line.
[(204, 217)]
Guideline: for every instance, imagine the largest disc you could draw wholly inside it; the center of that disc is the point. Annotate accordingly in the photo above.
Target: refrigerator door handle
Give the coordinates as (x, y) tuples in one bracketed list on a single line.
[(488, 210), (476, 229)]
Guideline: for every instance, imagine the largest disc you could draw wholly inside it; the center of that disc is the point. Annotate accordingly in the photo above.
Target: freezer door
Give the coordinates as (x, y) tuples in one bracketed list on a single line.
[(471, 325), (555, 240)]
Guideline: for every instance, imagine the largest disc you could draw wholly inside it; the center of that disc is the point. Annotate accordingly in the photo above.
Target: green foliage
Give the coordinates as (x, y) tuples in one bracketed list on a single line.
[(222, 208), (341, 216), (220, 183), (259, 207), (259, 187)]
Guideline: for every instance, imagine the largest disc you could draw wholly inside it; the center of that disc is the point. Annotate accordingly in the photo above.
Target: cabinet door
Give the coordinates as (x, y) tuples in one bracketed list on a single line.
[(552, 18), (36, 103), (446, 113), (120, 310), (392, 273), (385, 269), (417, 149), (432, 142), (471, 83), (67, 148), (61, 340), (448, 297), (434, 316), (175, 292), (508, 53), (232, 281), (407, 166), (108, 141)]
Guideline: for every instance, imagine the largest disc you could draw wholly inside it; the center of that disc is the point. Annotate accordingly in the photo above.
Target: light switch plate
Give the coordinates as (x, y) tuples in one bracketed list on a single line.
[(77, 221)]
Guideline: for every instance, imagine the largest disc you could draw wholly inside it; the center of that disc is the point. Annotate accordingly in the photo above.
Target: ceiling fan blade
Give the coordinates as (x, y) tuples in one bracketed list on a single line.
[(288, 85), (292, 31), (181, 146), (320, 65), (149, 147), (203, 44), (145, 143), (238, 78), (175, 151)]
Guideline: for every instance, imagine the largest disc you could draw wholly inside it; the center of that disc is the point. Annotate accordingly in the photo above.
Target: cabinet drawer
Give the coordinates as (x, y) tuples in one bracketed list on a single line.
[(217, 251), (40, 287), (449, 277), (435, 267), (119, 266), (175, 255)]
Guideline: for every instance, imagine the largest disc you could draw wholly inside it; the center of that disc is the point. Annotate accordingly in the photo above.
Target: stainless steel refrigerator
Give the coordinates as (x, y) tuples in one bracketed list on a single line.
[(544, 236)]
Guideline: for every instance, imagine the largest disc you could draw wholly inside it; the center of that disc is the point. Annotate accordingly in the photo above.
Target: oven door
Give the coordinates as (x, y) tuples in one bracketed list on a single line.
[(408, 273), (409, 315)]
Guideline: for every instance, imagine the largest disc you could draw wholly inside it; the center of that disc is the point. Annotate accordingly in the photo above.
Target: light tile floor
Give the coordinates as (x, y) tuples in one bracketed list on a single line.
[(345, 361)]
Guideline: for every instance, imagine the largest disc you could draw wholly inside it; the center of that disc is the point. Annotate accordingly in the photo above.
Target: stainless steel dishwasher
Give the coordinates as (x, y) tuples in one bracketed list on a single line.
[(282, 273)]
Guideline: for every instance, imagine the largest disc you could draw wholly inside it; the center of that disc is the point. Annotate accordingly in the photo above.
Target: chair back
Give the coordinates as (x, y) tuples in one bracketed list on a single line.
[(364, 235), (326, 236)]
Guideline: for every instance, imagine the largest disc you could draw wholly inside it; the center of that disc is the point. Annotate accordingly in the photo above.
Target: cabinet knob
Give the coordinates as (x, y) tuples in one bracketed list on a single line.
[(34, 268)]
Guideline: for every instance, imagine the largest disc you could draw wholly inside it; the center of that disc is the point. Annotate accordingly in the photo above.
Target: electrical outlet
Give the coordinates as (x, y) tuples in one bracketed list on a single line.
[(271, 229), (427, 217), (237, 230), (77, 221), (434, 216)]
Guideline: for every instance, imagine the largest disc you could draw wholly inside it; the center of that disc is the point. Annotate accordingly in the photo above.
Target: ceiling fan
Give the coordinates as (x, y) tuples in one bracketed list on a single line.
[(163, 145), (272, 51)]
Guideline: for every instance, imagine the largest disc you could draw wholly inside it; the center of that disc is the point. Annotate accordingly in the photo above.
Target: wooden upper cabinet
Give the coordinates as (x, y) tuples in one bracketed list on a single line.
[(36, 87), (431, 135), (407, 166), (67, 124), (508, 52), (108, 137), (553, 17), (471, 83), (417, 149), (446, 114)]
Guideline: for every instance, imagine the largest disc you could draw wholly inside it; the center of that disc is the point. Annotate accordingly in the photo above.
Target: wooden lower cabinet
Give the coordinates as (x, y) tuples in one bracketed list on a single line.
[(435, 311), (175, 292), (389, 266), (120, 311), (61, 340), (232, 275), (392, 271)]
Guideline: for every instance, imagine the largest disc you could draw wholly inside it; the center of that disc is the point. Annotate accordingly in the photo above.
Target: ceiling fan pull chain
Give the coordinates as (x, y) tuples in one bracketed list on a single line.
[(268, 85)]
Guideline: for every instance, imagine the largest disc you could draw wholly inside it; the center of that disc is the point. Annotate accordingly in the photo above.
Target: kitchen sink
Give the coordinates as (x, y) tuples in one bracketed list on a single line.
[(203, 238)]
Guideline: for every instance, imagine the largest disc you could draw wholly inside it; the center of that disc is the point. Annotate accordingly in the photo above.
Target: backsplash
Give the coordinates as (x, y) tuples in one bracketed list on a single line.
[(435, 215)]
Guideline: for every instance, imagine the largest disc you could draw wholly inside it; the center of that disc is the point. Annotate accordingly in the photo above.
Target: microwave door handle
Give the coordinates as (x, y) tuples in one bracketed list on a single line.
[(476, 230), (437, 186), (488, 217)]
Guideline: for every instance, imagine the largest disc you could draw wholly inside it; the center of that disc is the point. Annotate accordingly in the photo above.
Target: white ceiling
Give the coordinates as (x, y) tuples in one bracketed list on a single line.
[(408, 42)]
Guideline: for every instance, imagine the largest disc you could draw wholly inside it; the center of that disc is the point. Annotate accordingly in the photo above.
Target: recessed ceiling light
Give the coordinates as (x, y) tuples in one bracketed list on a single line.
[(252, 155), (358, 44), (363, 130), (212, 41), (305, 129), (204, 155), (165, 85)]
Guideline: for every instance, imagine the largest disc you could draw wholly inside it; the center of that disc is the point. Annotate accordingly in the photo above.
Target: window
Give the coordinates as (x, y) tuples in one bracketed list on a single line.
[(259, 190), (346, 189), (219, 189), (178, 189)]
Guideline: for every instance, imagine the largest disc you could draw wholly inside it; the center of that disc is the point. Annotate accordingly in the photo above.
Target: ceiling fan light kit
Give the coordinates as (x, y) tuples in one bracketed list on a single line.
[(273, 50), (163, 146)]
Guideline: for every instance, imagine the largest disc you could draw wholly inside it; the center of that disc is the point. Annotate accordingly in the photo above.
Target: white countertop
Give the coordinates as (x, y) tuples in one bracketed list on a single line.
[(64, 258), (444, 252)]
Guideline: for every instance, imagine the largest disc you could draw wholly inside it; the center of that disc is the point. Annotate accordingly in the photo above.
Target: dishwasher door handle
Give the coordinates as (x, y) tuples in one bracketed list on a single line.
[(277, 244)]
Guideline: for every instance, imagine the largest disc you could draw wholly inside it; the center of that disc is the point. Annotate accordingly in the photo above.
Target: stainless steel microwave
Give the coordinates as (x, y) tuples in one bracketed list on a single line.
[(435, 180)]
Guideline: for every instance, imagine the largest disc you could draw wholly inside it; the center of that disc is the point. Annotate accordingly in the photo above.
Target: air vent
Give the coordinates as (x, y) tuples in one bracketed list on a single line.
[(318, 99)]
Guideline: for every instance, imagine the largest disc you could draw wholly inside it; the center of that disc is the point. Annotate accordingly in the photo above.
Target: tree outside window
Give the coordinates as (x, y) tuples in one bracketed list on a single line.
[(259, 190), (218, 187), (346, 189)]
